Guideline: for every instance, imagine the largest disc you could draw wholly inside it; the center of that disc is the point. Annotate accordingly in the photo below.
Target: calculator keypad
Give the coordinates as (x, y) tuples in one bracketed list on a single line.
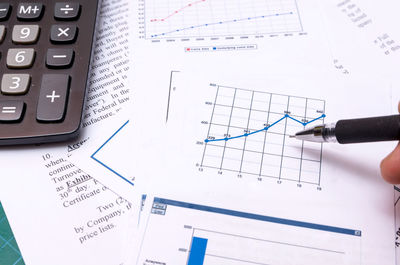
[(20, 58), (15, 84), (29, 11), (25, 34), (66, 11), (45, 50), (11, 110), (53, 96), (4, 11), (59, 58), (63, 33), (2, 33)]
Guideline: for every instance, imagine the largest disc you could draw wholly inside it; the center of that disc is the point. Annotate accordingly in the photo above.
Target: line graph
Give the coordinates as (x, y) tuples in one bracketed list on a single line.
[(248, 134), (265, 128), (176, 11), (216, 18)]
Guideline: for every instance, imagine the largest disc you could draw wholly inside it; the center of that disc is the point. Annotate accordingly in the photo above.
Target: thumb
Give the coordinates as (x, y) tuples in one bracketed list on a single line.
[(390, 167)]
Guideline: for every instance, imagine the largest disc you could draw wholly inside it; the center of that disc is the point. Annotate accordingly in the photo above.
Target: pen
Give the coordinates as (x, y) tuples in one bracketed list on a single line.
[(375, 129)]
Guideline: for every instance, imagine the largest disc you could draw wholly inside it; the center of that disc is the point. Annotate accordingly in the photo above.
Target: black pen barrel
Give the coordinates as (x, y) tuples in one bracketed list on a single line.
[(374, 129)]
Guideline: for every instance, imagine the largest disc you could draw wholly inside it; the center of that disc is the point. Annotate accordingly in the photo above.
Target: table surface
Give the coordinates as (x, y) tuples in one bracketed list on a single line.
[(9, 251)]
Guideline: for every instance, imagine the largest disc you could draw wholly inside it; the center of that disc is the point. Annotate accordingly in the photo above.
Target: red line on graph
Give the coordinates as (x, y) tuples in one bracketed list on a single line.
[(177, 11)]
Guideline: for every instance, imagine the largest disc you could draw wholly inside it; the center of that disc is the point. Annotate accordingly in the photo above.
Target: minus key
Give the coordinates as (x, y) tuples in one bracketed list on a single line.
[(59, 58)]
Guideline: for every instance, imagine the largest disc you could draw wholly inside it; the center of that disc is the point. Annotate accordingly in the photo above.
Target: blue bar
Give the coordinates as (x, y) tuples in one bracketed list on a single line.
[(263, 218), (197, 251)]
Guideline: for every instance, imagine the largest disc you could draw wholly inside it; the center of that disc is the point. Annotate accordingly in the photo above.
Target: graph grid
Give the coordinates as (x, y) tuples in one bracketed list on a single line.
[(249, 133), (217, 18)]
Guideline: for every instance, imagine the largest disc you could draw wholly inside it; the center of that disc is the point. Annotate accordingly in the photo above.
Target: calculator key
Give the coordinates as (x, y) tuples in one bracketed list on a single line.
[(29, 11), (4, 11), (2, 33), (66, 11), (59, 58), (15, 84), (25, 34), (11, 110), (63, 33), (20, 58), (53, 98)]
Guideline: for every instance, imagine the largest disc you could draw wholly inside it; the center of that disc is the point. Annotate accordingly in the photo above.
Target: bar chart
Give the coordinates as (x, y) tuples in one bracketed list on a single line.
[(191, 234), (197, 251)]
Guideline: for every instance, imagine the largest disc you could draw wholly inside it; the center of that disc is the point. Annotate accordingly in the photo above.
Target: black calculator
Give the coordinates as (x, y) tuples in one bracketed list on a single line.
[(45, 54)]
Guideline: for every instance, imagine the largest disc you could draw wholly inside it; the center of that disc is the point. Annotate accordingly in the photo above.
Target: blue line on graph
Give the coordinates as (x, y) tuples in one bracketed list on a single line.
[(265, 128), (219, 23), (101, 147)]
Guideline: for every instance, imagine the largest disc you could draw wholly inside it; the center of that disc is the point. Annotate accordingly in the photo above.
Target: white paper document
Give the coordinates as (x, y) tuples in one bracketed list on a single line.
[(60, 214), (221, 87), (58, 204), (216, 88), (203, 234), (232, 143)]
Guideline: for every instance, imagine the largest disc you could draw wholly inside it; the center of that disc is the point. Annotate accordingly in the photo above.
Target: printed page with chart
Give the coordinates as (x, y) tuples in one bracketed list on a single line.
[(221, 87), (250, 189)]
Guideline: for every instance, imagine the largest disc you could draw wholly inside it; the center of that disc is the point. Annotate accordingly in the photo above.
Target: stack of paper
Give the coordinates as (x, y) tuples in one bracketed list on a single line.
[(198, 168)]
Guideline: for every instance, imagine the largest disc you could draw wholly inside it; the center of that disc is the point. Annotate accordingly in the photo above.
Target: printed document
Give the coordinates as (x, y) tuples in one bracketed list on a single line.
[(222, 86), (59, 213)]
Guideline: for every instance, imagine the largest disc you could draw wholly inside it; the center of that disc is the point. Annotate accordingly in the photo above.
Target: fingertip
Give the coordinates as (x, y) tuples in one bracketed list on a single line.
[(390, 167)]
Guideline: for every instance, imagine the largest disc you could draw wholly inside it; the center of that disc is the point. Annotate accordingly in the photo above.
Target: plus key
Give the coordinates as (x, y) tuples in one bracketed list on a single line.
[(53, 98)]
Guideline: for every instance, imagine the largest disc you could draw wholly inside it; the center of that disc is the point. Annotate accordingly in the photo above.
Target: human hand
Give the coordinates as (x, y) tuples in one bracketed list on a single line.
[(390, 166)]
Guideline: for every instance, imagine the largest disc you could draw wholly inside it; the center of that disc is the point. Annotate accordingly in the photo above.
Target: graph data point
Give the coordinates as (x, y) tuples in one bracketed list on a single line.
[(286, 115), (206, 140), (323, 116), (266, 128), (226, 139)]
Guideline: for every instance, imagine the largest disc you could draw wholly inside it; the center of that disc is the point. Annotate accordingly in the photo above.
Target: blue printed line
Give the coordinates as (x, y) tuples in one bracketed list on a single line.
[(265, 129), (103, 164), (220, 22)]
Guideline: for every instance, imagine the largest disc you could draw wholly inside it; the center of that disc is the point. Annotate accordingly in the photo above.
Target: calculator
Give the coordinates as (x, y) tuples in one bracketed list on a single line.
[(45, 54)]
